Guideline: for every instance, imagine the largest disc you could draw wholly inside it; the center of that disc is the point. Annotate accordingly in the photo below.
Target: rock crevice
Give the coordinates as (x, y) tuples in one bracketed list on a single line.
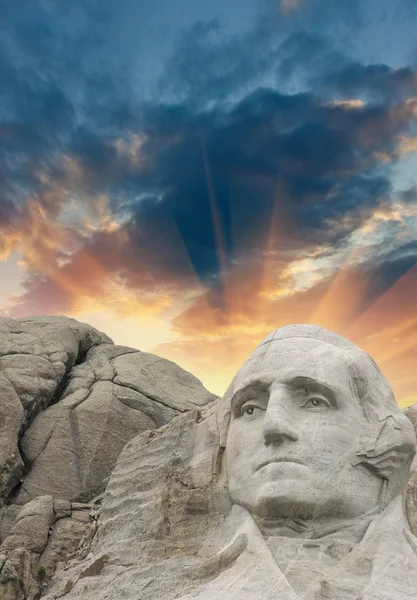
[(70, 400)]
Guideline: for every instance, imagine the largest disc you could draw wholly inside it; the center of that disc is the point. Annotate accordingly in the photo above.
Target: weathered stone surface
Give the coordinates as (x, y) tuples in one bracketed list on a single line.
[(23, 562), (35, 355), (32, 525), (62, 508), (62, 545), (36, 352), (206, 507), (411, 503), (185, 514), (115, 383), (69, 402), (10, 585), (71, 399), (11, 420), (8, 519)]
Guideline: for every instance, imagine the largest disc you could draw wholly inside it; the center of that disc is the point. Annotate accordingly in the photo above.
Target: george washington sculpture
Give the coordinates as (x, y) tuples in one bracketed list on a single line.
[(290, 487)]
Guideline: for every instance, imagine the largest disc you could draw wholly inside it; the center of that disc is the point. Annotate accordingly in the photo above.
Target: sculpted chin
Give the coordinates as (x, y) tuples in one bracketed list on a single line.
[(317, 456)]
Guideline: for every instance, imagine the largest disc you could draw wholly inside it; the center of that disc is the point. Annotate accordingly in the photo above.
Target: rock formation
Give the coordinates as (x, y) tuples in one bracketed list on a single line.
[(164, 497), (70, 401)]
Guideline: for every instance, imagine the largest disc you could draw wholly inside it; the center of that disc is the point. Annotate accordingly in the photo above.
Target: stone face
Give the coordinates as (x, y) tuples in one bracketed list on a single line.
[(292, 440), (204, 507), (283, 489)]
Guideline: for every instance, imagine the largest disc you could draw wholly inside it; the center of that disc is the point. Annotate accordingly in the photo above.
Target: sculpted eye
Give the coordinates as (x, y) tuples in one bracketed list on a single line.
[(249, 410), (317, 403)]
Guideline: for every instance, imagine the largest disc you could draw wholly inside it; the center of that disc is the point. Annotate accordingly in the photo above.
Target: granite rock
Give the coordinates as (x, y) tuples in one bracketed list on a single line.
[(70, 400), (191, 513), (138, 483)]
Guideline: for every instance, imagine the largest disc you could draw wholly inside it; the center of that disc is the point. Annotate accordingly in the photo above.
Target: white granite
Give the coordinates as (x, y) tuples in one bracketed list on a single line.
[(291, 489)]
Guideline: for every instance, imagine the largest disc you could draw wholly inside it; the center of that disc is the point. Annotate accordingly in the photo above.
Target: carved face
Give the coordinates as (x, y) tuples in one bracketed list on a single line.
[(294, 427)]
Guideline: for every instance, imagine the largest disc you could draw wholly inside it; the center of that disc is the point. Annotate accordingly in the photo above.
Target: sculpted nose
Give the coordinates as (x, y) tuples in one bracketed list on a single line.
[(278, 421)]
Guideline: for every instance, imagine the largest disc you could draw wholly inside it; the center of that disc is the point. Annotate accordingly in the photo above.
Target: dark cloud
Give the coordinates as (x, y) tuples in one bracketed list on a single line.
[(409, 196), (318, 152), (314, 60), (206, 65), (8, 212), (376, 82), (226, 166), (227, 145), (303, 55)]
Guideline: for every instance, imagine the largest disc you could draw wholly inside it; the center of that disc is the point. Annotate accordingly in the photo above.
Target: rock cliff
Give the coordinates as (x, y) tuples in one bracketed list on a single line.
[(70, 400), (107, 461)]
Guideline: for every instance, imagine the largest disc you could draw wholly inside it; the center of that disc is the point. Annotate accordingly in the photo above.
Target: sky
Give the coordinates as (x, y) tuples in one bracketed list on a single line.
[(188, 176)]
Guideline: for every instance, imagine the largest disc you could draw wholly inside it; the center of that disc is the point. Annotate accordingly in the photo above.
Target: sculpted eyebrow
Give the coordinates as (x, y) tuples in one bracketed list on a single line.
[(261, 385), (315, 385), (253, 386)]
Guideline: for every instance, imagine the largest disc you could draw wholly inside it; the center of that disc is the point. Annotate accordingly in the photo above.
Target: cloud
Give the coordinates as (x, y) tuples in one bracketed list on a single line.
[(208, 65), (407, 144), (187, 197), (288, 6), (356, 302), (378, 82), (253, 191)]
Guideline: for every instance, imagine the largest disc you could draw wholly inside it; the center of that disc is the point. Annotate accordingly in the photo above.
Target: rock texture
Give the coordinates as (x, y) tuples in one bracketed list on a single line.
[(69, 402), (176, 524), (411, 502), (116, 471)]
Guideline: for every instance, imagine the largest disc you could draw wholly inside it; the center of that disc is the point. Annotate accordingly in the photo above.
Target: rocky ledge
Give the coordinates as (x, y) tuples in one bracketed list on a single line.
[(80, 522), (70, 400)]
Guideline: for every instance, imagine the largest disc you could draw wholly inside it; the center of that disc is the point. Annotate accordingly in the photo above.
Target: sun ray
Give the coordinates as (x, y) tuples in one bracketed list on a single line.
[(388, 311), (278, 225), (391, 349), (218, 227), (343, 297)]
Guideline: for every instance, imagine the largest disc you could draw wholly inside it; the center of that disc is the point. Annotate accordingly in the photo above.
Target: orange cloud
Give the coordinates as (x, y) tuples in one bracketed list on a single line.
[(348, 104), (214, 347), (324, 289), (90, 266), (213, 341), (407, 145), (129, 149)]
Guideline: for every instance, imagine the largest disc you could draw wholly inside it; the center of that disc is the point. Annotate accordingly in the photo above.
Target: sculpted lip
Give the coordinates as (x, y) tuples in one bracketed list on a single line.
[(277, 460)]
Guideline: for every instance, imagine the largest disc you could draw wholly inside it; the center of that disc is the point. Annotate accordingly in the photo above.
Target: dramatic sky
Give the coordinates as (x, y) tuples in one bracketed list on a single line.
[(188, 175)]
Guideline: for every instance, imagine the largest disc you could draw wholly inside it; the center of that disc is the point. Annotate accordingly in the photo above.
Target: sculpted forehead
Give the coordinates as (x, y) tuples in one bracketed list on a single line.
[(297, 356)]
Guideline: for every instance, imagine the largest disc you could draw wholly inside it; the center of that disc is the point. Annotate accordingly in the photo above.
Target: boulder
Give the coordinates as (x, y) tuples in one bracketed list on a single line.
[(70, 400), (112, 475), (32, 525)]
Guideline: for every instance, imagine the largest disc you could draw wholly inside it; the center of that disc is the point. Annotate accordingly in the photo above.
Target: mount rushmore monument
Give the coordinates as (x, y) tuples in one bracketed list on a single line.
[(122, 477)]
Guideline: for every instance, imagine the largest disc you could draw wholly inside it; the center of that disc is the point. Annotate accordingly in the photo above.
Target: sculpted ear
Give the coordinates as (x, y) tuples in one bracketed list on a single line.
[(387, 446)]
